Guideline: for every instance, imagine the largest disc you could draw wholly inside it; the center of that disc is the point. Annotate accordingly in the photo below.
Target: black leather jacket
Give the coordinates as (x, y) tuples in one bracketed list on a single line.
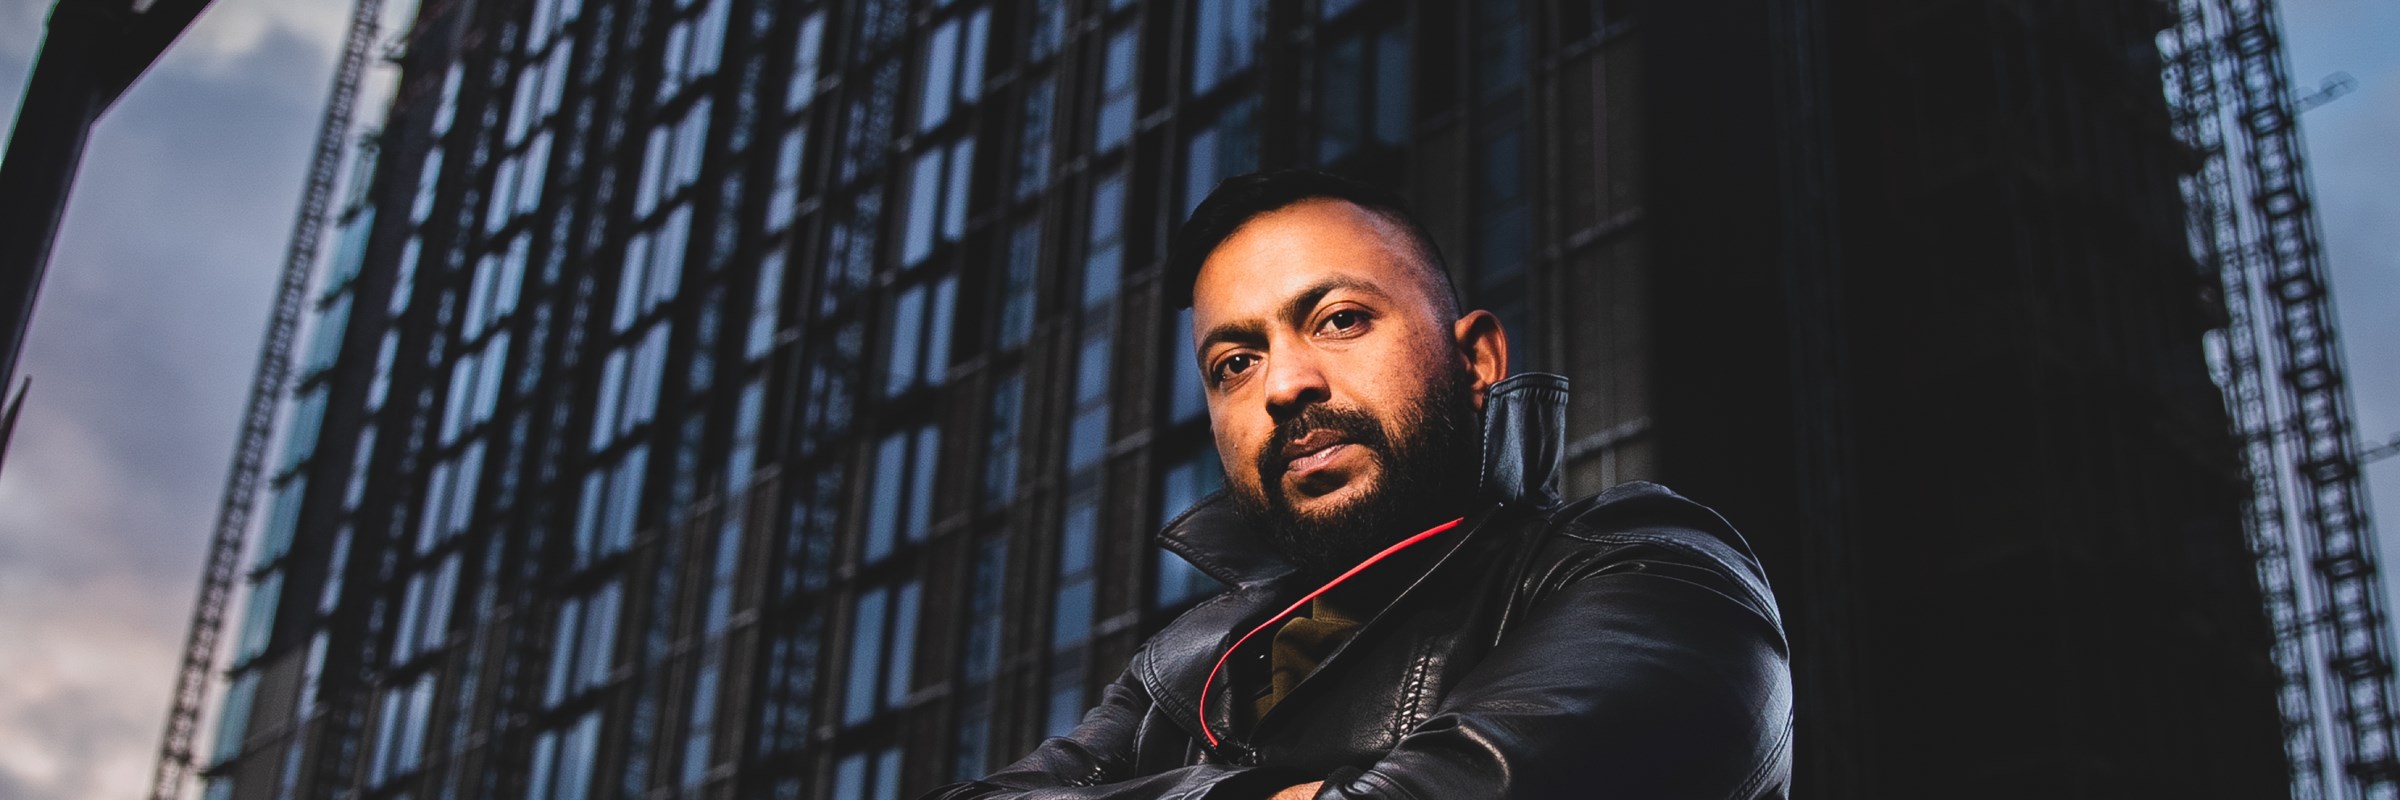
[(1626, 645)]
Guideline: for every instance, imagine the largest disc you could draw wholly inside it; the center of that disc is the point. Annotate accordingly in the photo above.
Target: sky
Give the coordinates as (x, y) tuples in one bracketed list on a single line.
[(156, 297)]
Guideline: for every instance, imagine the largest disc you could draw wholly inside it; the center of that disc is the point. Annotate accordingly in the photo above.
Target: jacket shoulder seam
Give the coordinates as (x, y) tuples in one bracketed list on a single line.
[(1736, 574)]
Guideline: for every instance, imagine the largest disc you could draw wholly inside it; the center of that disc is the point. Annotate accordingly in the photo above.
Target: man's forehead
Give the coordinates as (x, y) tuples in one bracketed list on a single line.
[(1310, 246)]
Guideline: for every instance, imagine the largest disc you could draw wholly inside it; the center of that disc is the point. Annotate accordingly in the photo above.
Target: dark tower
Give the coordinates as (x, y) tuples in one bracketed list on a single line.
[(719, 398)]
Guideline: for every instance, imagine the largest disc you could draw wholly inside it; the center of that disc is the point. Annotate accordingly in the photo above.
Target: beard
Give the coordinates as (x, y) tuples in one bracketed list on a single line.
[(1428, 470)]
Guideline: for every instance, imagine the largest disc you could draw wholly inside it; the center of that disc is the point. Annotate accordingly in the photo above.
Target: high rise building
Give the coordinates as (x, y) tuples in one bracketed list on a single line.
[(717, 398)]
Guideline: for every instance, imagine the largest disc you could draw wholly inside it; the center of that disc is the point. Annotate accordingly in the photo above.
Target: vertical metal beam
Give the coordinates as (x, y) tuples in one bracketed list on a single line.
[(2214, 230), (62, 100), (2289, 266)]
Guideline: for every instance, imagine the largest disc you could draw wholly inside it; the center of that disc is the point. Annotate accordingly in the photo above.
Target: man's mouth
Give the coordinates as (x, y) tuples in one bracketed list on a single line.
[(1308, 454)]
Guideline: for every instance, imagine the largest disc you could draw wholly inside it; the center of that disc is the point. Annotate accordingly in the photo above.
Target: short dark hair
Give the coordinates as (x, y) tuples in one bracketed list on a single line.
[(1242, 198)]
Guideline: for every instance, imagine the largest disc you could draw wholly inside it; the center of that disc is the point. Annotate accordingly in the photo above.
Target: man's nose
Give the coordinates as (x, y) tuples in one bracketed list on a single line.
[(1294, 380)]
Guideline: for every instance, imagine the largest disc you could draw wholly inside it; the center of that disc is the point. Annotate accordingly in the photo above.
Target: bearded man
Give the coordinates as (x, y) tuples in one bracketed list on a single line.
[(1413, 612)]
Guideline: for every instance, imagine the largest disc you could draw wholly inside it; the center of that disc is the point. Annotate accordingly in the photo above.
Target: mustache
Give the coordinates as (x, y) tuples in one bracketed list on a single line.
[(1349, 424)]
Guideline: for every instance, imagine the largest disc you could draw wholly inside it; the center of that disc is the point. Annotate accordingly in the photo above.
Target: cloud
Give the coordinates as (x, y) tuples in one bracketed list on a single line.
[(141, 352), (229, 37)]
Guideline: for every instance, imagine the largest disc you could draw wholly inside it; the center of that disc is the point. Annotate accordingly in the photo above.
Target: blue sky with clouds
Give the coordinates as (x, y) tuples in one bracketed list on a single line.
[(150, 318)]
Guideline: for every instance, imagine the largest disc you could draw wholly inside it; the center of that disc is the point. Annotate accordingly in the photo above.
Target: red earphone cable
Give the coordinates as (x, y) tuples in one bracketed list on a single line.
[(1205, 685)]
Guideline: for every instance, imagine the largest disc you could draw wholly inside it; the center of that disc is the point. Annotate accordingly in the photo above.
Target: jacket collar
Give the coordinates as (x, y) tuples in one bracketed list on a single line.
[(1524, 446)]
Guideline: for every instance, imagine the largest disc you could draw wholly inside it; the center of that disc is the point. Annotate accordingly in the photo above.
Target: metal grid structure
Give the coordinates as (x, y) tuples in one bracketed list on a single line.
[(2226, 64)]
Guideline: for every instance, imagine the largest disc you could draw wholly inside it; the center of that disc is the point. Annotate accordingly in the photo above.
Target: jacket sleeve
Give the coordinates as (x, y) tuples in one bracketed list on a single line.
[(1651, 677), (1092, 762)]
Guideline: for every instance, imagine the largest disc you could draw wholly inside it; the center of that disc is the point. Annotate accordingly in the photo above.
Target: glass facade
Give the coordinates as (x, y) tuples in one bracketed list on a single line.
[(776, 400), (745, 392)]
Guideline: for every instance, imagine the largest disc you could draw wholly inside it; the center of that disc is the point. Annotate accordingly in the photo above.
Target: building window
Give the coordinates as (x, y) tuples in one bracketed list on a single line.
[(1018, 288), (1499, 47), (693, 48), (583, 644), (475, 381), (766, 308), (869, 121), (356, 231), (1504, 226), (234, 724), (1078, 540), (404, 285), (1087, 432), (830, 374), (980, 659), (425, 611), (883, 644), (791, 686), (629, 386), (1362, 93), (700, 720), (1187, 399), (741, 457), (550, 18), (301, 428), (783, 202), (1033, 137), (950, 69), (563, 762), (937, 199), (498, 281), (361, 457), (1117, 91), (283, 519), (610, 506), (400, 735), (1225, 35), (1066, 695), (258, 620), (1045, 30), (517, 184), (850, 250), (807, 49), (905, 466), (1003, 427), (653, 269), (450, 489), (325, 338), (429, 177), (1104, 256), (880, 23), (1223, 149), (918, 352), (671, 159), (856, 778)]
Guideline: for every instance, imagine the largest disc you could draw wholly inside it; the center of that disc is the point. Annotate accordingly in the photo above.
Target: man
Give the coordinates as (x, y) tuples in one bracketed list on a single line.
[(1413, 612)]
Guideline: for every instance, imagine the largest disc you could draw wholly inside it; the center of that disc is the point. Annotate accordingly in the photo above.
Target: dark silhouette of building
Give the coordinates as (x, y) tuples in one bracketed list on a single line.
[(720, 398)]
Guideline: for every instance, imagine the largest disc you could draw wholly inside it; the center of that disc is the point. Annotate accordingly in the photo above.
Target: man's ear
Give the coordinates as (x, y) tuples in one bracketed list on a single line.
[(1482, 349)]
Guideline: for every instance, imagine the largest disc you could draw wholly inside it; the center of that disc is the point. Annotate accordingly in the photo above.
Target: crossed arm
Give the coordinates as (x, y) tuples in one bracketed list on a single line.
[(1649, 679)]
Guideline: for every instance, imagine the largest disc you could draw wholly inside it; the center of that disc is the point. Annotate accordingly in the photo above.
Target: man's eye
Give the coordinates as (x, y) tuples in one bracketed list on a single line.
[(1235, 365), (1344, 321)]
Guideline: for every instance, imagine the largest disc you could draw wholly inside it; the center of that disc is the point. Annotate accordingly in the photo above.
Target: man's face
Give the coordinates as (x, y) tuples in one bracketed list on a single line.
[(1343, 402)]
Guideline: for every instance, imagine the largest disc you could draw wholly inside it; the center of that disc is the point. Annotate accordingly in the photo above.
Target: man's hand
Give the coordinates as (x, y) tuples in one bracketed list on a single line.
[(1301, 792)]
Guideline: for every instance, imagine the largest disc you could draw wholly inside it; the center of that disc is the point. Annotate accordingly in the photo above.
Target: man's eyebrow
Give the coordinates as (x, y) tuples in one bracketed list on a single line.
[(1248, 330), (1296, 310)]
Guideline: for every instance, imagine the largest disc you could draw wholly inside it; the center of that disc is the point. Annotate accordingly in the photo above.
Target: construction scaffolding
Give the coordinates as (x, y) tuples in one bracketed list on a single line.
[(2252, 229), (243, 479)]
